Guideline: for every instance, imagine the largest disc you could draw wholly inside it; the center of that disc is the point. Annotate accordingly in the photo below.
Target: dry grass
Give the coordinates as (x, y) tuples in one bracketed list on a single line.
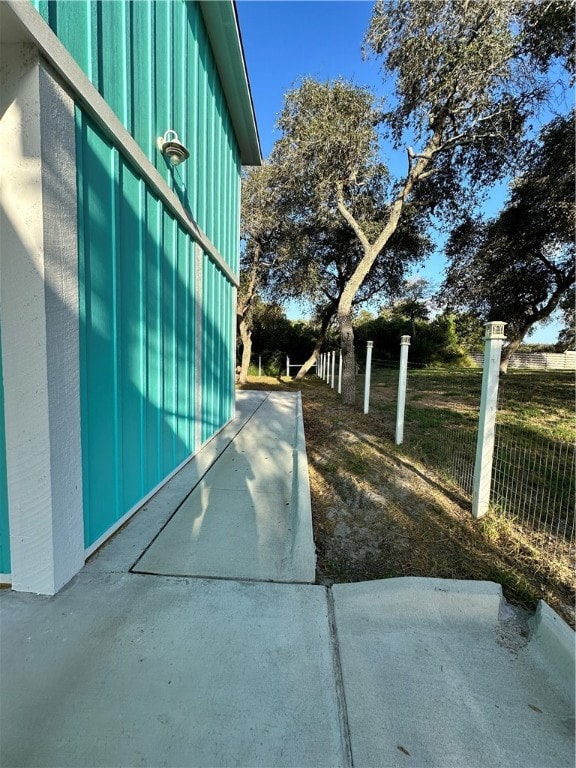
[(380, 513)]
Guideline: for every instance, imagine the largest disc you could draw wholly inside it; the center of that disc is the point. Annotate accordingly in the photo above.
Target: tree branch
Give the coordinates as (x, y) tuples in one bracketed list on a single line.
[(556, 270), (349, 218)]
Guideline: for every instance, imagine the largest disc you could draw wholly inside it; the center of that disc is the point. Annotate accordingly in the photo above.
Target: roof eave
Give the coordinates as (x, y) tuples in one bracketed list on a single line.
[(224, 33)]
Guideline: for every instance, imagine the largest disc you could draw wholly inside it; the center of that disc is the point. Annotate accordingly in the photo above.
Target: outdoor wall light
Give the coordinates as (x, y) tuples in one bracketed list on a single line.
[(172, 148)]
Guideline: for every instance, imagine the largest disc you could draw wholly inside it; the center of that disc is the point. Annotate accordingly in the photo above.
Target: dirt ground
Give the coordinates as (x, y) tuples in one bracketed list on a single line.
[(377, 513)]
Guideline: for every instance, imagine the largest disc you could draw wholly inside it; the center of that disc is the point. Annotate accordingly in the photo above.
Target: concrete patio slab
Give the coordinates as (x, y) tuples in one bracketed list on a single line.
[(244, 519), (129, 670), (443, 673)]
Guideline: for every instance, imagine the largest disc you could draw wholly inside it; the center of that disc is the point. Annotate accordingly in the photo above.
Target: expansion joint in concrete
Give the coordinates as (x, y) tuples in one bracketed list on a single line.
[(339, 682), (231, 579)]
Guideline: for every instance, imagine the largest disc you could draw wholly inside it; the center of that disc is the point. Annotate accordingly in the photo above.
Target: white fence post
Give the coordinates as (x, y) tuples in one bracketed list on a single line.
[(259, 365), (369, 345), (319, 366), (401, 404), (333, 378), (493, 339), (287, 366), (340, 373)]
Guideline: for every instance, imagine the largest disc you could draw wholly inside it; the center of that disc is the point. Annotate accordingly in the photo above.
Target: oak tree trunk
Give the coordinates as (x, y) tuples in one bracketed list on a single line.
[(246, 338), (305, 367), (371, 253), (326, 320), (348, 358), (507, 353)]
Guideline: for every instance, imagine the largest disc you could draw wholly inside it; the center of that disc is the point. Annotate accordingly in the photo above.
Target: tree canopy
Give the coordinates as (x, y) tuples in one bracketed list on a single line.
[(328, 156), (466, 77), (466, 74), (261, 244), (519, 266)]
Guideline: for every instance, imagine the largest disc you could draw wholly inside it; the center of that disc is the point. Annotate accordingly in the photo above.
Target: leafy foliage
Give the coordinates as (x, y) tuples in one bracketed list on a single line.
[(567, 336), (518, 266), (274, 337), (328, 139), (433, 342), (259, 231), (548, 33), (466, 76)]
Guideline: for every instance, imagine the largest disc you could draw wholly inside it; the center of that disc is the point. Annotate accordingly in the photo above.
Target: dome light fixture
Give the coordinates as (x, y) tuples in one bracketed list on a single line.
[(172, 148)]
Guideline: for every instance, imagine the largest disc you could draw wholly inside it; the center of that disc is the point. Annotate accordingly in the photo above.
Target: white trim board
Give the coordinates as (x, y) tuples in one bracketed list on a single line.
[(52, 50)]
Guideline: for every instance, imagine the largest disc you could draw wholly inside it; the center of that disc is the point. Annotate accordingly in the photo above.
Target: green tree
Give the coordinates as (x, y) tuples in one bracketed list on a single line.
[(261, 237), (469, 331), (333, 261), (464, 87), (330, 171), (414, 302), (547, 33), (328, 129), (435, 342), (271, 333), (567, 335), (519, 266)]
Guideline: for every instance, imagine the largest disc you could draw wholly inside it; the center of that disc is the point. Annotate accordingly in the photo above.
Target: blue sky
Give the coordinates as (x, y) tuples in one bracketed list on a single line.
[(285, 40)]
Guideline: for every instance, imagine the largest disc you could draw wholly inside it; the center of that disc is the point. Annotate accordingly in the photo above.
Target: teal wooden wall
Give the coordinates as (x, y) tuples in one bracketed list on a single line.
[(152, 62), (4, 530), (142, 374), (137, 335), (218, 347)]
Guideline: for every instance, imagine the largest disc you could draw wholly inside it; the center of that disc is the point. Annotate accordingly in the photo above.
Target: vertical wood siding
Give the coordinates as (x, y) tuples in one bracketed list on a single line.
[(153, 384), (137, 335), (218, 341), (152, 62), (4, 530)]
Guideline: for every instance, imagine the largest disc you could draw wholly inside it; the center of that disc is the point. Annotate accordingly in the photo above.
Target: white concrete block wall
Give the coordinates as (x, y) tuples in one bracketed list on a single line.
[(39, 318)]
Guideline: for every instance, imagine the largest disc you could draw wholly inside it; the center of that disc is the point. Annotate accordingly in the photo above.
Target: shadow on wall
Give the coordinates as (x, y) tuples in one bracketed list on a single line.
[(138, 321), (138, 315)]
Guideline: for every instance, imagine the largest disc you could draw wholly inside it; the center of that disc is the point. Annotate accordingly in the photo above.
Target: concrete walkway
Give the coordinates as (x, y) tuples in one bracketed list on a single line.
[(243, 520), (140, 661)]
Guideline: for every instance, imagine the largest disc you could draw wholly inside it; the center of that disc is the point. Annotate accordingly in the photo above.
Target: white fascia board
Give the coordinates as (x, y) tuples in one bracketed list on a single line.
[(22, 15)]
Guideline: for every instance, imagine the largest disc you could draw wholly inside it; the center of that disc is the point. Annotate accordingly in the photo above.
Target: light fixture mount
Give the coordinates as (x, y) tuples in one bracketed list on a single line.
[(172, 148)]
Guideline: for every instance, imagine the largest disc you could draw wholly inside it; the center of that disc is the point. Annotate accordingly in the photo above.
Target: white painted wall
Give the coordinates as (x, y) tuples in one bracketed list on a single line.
[(39, 317)]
